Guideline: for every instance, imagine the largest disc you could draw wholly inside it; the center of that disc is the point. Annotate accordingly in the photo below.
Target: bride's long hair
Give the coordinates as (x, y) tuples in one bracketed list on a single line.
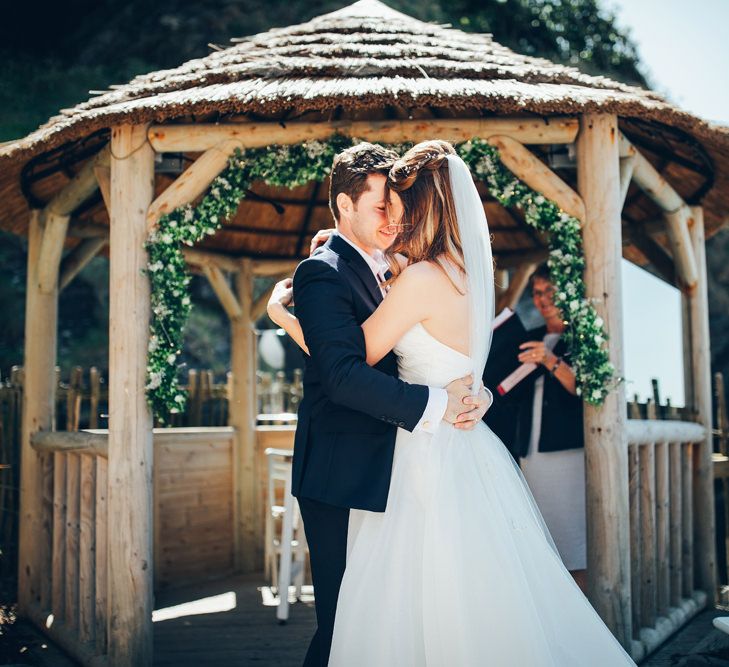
[(430, 233)]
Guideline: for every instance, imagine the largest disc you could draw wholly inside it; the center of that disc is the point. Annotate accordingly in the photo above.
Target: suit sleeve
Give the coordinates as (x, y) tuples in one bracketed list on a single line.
[(337, 347)]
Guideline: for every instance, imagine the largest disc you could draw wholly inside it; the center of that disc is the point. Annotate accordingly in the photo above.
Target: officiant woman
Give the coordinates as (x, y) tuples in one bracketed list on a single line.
[(549, 431)]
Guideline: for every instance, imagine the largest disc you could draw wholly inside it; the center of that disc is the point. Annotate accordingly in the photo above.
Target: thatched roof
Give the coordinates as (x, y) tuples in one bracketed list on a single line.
[(363, 61)]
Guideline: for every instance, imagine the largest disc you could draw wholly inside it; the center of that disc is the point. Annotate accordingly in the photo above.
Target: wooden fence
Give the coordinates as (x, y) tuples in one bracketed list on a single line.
[(82, 403)]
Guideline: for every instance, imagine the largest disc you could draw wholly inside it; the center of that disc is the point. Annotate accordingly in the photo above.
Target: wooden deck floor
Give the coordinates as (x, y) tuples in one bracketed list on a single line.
[(226, 623)]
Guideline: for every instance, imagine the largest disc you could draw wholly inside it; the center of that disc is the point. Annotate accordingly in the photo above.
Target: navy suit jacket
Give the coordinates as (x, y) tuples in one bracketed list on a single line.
[(348, 417)]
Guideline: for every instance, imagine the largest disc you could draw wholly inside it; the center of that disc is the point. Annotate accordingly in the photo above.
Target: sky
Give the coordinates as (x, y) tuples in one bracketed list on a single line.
[(684, 49)]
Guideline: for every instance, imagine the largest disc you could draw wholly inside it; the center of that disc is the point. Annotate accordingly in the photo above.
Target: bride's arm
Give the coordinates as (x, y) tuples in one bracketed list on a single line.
[(403, 308), (407, 303), (277, 308)]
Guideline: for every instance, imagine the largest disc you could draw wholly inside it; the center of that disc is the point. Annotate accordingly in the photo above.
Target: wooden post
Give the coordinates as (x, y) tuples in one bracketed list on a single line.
[(606, 451), (41, 316), (130, 421), (248, 533), (703, 482)]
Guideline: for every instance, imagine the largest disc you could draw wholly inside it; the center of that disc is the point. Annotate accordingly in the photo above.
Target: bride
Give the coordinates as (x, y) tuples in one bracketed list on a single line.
[(460, 569)]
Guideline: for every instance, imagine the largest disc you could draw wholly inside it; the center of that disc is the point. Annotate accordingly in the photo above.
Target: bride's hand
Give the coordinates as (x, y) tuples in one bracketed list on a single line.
[(281, 298), (320, 238)]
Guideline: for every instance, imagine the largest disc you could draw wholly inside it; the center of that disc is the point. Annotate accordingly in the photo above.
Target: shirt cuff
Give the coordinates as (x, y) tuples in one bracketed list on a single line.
[(434, 411), (491, 398)]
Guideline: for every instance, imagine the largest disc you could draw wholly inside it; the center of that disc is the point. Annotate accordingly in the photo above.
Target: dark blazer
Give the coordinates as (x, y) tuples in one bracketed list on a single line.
[(562, 422), (348, 417)]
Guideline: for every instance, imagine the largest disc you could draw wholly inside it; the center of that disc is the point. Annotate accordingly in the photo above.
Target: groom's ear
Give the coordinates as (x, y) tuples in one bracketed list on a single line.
[(344, 204)]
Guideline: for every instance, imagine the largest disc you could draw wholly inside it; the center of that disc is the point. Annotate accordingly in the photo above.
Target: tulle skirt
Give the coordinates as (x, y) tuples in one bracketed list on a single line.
[(460, 570)]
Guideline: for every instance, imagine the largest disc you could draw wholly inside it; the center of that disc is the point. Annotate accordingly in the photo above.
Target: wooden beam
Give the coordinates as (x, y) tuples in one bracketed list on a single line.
[(538, 176), (222, 289), (80, 187), (677, 226), (71, 441), (651, 431), (676, 212), (41, 317), (606, 452), (202, 258), (515, 258), (51, 250), (78, 258), (627, 164), (703, 483), (259, 305), (273, 267), (200, 137), (648, 179), (511, 295), (248, 529), (192, 182), (56, 215), (84, 229), (655, 254), (130, 494), (103, 178)]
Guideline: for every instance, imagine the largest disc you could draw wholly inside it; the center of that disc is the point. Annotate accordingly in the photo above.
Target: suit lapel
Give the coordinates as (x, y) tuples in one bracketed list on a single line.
[(359, 267)]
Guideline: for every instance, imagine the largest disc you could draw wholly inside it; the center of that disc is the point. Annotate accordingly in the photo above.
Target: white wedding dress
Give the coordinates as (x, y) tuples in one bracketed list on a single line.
[(460, 570)]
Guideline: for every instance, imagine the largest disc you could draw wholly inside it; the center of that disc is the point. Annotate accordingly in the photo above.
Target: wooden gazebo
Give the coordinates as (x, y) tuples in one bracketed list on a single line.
[(648, 181)]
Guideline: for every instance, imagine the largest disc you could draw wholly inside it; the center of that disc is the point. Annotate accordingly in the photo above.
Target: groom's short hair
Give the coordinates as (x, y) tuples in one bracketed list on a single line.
[(351, 168)]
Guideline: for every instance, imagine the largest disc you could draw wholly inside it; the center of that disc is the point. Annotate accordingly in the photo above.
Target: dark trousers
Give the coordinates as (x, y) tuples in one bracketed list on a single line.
[(326, 532)]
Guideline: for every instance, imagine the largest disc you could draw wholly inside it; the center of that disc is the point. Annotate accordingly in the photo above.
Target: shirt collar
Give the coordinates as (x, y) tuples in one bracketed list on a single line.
[(377, 262)]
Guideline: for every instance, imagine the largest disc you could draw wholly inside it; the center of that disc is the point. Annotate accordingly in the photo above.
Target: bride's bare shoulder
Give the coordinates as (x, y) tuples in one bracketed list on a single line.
[(401, 260), (424, 275)]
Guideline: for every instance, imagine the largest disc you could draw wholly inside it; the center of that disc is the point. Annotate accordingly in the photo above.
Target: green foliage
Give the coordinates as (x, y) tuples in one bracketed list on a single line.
[(292, 166), (571, 32), (33, 90), (585, 333)]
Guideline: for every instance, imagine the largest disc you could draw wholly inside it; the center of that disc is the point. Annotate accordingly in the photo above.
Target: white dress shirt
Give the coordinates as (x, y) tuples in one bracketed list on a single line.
[(437, 396)]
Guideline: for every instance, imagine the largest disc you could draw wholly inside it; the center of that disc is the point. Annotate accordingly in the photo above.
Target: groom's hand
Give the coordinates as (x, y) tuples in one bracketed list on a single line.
[(465, 411)]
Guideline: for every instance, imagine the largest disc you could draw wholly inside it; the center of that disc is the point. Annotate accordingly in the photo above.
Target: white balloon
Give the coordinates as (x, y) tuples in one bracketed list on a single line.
[(271, 349)]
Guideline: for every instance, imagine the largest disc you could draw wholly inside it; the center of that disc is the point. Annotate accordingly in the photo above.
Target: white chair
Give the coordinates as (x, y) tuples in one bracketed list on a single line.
[(286, 548)]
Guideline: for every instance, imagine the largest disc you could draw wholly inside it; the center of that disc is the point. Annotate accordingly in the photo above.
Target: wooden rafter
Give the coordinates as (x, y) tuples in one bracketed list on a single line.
[(56, 215), (193, 181), (677, 213), (223, 290), (201, 137), (78, 258), (531, 170)]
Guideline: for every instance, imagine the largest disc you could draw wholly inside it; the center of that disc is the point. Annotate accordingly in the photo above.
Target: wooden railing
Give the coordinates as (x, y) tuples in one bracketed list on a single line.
[(193, 499), (73, 591), (662, 526)]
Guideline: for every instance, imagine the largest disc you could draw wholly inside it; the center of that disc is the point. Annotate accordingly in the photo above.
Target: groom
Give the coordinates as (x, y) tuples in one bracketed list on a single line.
[(350, 412)]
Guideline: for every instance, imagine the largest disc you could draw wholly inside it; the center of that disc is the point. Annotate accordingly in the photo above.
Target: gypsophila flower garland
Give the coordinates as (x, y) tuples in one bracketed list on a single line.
[(585, 331), (292, 166)]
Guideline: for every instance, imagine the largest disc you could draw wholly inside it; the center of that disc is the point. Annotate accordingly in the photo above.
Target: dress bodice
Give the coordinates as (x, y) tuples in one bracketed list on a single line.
[(423, 359)]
